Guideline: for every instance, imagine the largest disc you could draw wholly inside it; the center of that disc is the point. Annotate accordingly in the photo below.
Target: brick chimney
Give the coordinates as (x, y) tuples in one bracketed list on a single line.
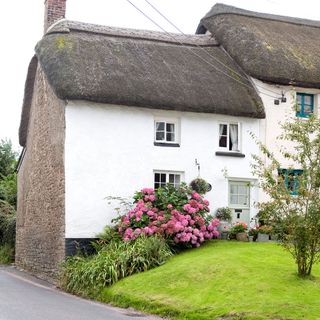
[(54, 11)]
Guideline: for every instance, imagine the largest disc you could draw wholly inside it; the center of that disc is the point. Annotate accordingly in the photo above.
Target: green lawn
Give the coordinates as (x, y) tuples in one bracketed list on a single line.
[(223, 280)]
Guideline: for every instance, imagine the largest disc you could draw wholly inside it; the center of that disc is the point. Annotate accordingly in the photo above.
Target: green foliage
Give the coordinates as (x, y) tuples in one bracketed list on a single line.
[(224, 214), (7, 158), (7, 224), (6, 254), (115, 260), (295, 219), (168, 194), (239, 228), (8, 189), (200, 185)]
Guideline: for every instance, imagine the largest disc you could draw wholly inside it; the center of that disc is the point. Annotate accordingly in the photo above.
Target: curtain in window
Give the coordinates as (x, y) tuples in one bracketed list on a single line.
[(221, 129), (234, 137)]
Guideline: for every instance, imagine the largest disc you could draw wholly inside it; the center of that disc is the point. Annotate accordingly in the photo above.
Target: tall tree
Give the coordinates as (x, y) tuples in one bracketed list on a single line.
[(7, 158), (294, 206)]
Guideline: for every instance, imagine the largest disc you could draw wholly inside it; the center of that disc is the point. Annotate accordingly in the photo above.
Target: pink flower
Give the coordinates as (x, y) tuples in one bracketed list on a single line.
[(169, 206), (196, 196), (152, 197)]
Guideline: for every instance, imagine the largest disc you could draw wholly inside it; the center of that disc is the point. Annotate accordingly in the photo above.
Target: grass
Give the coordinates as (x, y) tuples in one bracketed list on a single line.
[(6, 254), (223, 280)]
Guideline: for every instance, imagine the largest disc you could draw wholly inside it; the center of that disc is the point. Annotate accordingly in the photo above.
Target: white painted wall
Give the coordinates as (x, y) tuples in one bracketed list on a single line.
[(109, 151), (270, 127)]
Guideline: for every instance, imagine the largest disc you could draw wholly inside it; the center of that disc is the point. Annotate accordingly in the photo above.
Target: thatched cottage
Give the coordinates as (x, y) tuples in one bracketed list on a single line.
[(108, 111), (282, 57)]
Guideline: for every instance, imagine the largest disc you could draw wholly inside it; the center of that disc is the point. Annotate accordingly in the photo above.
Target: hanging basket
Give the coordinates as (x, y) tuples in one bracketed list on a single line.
[(200, 185)]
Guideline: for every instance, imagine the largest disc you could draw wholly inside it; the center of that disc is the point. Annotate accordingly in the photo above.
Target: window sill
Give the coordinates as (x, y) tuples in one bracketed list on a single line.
[(230, 154), (165, 144)]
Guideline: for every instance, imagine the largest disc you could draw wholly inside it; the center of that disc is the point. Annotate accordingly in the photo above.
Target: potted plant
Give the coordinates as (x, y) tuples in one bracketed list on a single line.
[(200, 185), (264, 233), (224, 215), (240, 230), (253, 234)]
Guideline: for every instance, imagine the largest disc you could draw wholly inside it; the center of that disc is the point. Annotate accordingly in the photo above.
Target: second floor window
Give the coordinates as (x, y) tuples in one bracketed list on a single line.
[(305, 105), (229, 136), (165, 132)]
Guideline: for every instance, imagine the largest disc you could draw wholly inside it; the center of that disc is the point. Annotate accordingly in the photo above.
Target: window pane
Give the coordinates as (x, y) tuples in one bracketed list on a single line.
[(163, 178), (233, 199), (156, 185), (170, 127), (242, 189), (233, 137), (307, 109), (223, 129), (170, 136), (157, 177), (298, 108), (171, 178), (159, 126), (243, 200), (160, 136), (177, 179), (233, 189), (307, 100), (299, 98), (223, 142)]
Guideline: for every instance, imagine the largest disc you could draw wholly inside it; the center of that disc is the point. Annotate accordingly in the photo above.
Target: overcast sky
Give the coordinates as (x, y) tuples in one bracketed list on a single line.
[(21, 26)]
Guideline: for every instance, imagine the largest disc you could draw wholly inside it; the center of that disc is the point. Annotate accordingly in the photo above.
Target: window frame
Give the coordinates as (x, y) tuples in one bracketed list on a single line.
[(301, 113), (175, 122), (285, 172), (248, 195), (226, 149), (167, 174)]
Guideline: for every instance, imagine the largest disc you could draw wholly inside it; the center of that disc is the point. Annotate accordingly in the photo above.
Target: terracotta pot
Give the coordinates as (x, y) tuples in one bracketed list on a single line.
[(242, 236)]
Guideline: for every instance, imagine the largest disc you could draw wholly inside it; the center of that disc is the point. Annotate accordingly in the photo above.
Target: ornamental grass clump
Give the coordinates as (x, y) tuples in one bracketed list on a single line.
[(115, 260), (179, 215)]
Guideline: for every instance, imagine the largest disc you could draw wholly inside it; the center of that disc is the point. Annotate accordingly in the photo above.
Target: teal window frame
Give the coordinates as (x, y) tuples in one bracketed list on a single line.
[(290, 179), (302, 113)]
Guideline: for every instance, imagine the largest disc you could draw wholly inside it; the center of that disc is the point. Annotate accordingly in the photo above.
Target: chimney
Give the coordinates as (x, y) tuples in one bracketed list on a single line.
[(54, 11)]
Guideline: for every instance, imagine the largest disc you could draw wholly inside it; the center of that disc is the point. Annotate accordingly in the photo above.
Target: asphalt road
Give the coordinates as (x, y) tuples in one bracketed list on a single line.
[(23, 297)]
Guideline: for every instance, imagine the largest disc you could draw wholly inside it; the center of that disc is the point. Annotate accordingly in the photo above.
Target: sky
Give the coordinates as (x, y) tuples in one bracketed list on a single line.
[(21, 26)]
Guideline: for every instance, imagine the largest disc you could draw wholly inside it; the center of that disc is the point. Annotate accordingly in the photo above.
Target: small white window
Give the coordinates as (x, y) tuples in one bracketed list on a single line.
[(239, 194), (229, 136), (166, 131), (162, 178)]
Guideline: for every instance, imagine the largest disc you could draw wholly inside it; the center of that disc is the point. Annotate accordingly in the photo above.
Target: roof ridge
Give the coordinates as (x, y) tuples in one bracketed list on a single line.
[(220, 8), (66, 26)]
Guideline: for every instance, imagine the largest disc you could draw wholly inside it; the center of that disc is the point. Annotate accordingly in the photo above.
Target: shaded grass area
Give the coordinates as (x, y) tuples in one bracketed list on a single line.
[(223, 280), (6, 254)]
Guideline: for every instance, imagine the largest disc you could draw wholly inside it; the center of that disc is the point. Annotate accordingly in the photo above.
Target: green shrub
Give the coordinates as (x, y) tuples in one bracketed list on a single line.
[(6, 254), (7, 224), (115, 260)]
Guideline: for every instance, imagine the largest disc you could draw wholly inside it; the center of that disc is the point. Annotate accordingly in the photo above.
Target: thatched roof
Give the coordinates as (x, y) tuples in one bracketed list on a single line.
[(272, 48), (144, 69)]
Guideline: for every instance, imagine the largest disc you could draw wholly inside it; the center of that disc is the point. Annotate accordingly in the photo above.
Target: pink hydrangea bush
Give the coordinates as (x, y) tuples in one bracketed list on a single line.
[(179, 215)]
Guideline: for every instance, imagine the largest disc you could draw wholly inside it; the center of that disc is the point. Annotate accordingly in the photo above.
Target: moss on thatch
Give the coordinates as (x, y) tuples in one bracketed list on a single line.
[(271, 48)]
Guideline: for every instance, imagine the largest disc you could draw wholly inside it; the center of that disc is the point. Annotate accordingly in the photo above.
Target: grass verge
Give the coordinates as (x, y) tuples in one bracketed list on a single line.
[(222, 280)]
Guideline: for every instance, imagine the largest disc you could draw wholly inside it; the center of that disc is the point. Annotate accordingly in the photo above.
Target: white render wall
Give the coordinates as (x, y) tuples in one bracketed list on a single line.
[(270, 127), (109, 151)]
